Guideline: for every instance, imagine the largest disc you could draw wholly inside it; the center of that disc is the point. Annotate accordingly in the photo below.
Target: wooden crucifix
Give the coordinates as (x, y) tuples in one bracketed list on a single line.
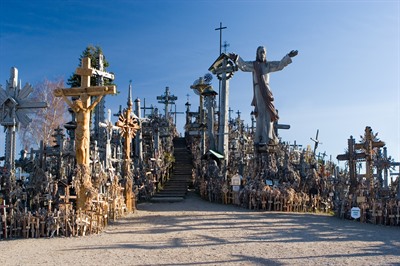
[(82, 106), (129, 125)]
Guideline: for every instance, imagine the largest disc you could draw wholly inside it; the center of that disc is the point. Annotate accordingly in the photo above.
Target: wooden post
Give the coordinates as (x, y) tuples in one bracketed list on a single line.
[(4, 217)]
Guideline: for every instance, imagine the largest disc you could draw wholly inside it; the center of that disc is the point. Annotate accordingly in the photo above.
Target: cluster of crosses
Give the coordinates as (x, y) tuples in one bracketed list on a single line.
[(77, 185), (232, 169), (98, 173)]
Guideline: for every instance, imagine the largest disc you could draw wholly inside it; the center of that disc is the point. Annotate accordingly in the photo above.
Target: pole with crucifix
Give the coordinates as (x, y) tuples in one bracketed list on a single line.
[(199, 86), (139, 136), (188, 120), (129, 125), (167, 99), (220, 52), (100, 74), (224, 68), (209, 95), (109, 128), (82, 107), (220, 36)]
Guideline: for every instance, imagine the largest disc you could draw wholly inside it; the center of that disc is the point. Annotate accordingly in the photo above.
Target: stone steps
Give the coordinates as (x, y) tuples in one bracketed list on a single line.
[(175, 189)]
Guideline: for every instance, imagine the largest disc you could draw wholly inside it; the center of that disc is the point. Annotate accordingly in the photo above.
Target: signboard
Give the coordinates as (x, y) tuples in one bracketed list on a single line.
[(269, 182), (355, 213), (235, 180), (194, 133), (361, 199)]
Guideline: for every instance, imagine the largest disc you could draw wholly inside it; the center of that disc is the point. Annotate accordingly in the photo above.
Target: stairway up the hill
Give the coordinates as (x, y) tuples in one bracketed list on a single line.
[(175, 189)]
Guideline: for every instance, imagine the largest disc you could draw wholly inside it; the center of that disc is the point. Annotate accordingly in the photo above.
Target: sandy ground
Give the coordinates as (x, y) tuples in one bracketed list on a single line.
[(196, 232)]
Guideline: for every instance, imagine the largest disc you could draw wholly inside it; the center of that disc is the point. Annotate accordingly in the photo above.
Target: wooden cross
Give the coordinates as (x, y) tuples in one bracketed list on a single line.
[(370, 142), (128, 124), (67, 195), (352, 156), (83, 106)]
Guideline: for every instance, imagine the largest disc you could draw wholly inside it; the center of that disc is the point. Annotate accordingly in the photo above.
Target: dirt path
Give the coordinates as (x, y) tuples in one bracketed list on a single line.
[(196, 232)]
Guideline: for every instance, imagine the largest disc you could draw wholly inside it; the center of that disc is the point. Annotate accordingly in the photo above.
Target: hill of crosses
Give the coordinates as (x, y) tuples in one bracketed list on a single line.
[(97, 171)]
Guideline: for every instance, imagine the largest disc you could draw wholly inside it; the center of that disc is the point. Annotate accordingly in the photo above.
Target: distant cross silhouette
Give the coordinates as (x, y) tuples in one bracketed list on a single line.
[(238, 113), (167, 99), (220, 36), (144, 108), (230, 111), (226, 45), (316, 142)]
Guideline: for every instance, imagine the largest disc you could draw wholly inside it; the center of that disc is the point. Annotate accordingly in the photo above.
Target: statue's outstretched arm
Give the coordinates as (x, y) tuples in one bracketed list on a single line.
[(293, 53)]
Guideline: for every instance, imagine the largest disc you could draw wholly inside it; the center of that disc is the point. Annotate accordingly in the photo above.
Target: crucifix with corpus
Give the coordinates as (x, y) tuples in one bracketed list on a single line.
[(129, 125), (82, 106)]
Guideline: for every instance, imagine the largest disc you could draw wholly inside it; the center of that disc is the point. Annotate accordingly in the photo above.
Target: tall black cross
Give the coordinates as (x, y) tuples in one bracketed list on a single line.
[(220, 51), (220, 36)]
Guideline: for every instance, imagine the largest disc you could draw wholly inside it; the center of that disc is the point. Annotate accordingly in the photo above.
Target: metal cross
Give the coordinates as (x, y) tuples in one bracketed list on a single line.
[(14, 106), (167, 99), (220, 36)]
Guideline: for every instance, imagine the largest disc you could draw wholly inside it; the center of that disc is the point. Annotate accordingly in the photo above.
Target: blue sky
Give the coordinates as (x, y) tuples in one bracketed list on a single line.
[(346, 76)]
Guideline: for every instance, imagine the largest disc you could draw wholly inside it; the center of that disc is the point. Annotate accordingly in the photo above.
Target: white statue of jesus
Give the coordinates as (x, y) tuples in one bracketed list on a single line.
[(263, 100)]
